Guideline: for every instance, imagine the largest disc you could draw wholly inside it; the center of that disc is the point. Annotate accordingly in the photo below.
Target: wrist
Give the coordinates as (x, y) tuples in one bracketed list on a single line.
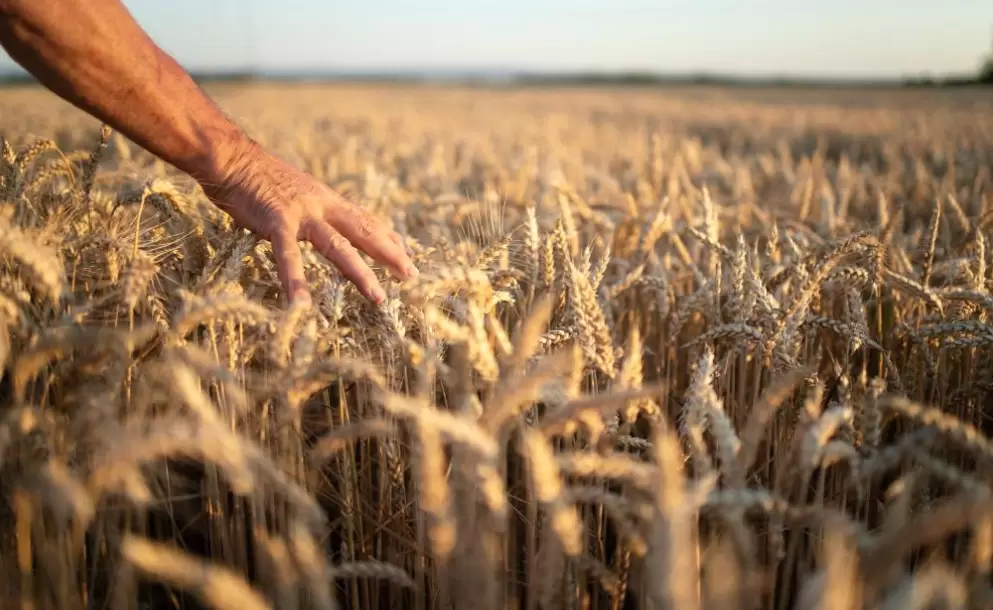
[(224, 156)]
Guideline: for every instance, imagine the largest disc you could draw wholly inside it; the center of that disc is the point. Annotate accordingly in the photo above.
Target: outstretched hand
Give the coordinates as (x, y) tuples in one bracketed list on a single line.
[(96, 56), (284, 205)]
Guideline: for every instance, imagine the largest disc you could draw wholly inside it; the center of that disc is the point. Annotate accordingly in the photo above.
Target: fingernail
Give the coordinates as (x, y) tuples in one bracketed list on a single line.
[(377, 294), (301, 299), (412, 271)]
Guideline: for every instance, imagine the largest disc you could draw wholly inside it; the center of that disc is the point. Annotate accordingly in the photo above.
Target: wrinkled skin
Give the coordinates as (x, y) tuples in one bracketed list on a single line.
[(284, 205), (95, 56)]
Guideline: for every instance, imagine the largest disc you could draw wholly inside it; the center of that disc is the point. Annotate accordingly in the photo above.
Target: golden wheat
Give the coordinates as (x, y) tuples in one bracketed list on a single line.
[(670, 350)]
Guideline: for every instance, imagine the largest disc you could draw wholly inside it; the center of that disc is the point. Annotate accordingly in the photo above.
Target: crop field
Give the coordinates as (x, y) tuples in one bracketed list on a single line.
[(672, 349)]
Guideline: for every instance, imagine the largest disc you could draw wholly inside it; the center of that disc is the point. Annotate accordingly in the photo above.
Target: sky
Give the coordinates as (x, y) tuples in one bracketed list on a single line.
[(807, 38)]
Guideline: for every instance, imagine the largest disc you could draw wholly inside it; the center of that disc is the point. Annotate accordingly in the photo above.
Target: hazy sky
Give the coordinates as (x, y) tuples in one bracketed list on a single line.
[(796, 37)]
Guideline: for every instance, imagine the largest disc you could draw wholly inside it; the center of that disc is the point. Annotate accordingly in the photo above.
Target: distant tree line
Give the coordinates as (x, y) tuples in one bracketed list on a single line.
[(986, 73), (983, 77)]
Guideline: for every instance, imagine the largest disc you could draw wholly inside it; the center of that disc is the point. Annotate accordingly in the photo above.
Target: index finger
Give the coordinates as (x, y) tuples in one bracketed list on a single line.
[(289, 266), (370, 235), (345, 257)]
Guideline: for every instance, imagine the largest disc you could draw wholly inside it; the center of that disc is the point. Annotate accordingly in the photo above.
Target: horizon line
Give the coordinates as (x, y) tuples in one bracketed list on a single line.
[(503, 73)]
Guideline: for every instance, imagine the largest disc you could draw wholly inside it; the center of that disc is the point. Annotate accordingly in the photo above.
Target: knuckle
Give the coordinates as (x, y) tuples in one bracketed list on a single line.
[(287, 233), (275, 216), (282, 244), (327, 239), (367, 225), (282, 224), (337, 242)]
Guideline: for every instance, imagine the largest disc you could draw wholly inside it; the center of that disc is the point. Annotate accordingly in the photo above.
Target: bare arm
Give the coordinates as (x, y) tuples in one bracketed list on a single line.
[(93, 54)]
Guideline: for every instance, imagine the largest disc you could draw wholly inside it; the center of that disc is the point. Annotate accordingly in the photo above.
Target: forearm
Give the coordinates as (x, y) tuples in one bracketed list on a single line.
[(94, 55)]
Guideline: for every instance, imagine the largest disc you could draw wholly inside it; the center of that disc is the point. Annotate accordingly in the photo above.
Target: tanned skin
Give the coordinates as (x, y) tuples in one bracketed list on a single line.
[(94, 55)]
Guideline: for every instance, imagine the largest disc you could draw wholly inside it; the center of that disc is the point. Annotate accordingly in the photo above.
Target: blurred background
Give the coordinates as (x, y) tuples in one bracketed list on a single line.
[(879, 41)]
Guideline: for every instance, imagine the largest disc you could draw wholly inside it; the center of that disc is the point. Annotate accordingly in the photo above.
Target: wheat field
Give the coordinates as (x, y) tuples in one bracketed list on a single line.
[(686, 349)]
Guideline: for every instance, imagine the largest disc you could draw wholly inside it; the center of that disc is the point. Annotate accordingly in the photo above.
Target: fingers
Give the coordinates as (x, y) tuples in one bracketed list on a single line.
[(343, 255), (395, 237), (289, 266), (363, 230)]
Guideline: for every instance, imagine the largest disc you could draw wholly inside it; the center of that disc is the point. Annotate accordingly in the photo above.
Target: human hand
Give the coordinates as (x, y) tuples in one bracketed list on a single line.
[(279, 203)]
